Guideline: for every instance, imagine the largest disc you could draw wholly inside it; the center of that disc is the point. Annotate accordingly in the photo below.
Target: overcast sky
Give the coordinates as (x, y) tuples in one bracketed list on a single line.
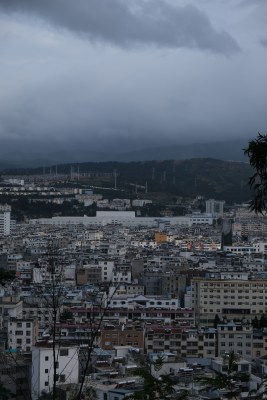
[(92, 70)]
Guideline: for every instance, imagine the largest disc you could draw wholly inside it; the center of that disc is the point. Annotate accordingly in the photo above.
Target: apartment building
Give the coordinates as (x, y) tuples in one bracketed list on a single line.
[(259, 344), (22, 334), (10, 307), (5, 220), (95, 273), (184, 342), (122, 335), (42, 367), (235, 337), (233, 298), (131, 302), (181, 316), (215, 207)]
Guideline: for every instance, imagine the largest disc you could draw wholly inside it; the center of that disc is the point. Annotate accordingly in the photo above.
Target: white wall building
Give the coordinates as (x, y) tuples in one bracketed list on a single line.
[(42, 367), (260, 247), (144, 301), (122, 276), (215, 207), (22, 334), (5, 220), (235, 337), (242, 250), (127, 218), (234, 298)]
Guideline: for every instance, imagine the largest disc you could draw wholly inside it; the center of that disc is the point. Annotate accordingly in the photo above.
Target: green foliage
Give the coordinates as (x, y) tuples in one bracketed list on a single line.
[(153, 387), (216, 320), (257, 153), (5, 276), (5, 394), (259, 323), (66, 314)]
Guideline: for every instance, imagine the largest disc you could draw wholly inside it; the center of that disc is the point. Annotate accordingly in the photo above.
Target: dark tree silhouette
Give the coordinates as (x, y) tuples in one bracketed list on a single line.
[(153, 387), (257, 153)]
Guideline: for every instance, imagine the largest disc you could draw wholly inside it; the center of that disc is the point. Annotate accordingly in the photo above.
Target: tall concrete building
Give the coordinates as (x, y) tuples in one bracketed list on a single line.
[(231, 297), (42, 367), (215, 207), (5, 220)]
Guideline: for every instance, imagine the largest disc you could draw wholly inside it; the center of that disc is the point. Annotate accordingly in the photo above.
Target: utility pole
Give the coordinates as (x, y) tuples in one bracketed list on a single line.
[(115, 179)]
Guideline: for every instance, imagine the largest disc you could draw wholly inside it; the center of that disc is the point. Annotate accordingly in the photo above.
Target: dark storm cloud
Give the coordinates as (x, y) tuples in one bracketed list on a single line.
[(263, 42), (126, 23)]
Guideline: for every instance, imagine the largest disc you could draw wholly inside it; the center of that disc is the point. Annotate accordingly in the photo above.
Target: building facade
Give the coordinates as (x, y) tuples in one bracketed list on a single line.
[(230, 298)]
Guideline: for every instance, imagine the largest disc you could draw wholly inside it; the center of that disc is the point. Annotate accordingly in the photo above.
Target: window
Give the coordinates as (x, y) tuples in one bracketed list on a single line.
[(64, 352), (46, 358), (46, 383), (62, 378), (46, 371)]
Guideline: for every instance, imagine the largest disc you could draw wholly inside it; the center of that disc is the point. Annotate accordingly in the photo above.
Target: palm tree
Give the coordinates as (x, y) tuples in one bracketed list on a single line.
[(228, 379), (153, 387)]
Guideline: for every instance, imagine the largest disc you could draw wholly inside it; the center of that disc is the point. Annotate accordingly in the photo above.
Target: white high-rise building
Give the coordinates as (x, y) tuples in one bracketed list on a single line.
[(5, 220), (215, 207), (42, 367)]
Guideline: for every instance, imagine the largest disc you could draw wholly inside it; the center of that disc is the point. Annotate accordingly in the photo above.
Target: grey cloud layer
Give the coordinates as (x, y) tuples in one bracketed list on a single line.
[(126, 24)]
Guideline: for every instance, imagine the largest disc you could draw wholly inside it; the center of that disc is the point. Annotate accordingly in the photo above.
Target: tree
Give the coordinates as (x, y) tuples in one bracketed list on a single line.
[(95, 321), (216, 321), (228, 379), (5, 276), (153, 387), (5, 394), (257, 153)]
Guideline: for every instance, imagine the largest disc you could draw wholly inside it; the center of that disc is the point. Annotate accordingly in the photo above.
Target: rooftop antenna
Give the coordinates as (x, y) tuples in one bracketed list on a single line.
[(173, 172), (78, 173), (115, 179), (146, 186)]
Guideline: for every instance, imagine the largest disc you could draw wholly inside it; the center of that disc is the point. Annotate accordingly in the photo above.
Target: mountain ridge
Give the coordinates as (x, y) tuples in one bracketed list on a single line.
[(31, 158)]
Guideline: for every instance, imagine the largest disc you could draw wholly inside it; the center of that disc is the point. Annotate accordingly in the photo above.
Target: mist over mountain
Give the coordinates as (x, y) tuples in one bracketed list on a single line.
[(34, 154)]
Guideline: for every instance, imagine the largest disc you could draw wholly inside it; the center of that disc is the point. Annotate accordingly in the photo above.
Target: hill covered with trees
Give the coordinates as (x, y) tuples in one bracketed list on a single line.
[(207, 177)]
